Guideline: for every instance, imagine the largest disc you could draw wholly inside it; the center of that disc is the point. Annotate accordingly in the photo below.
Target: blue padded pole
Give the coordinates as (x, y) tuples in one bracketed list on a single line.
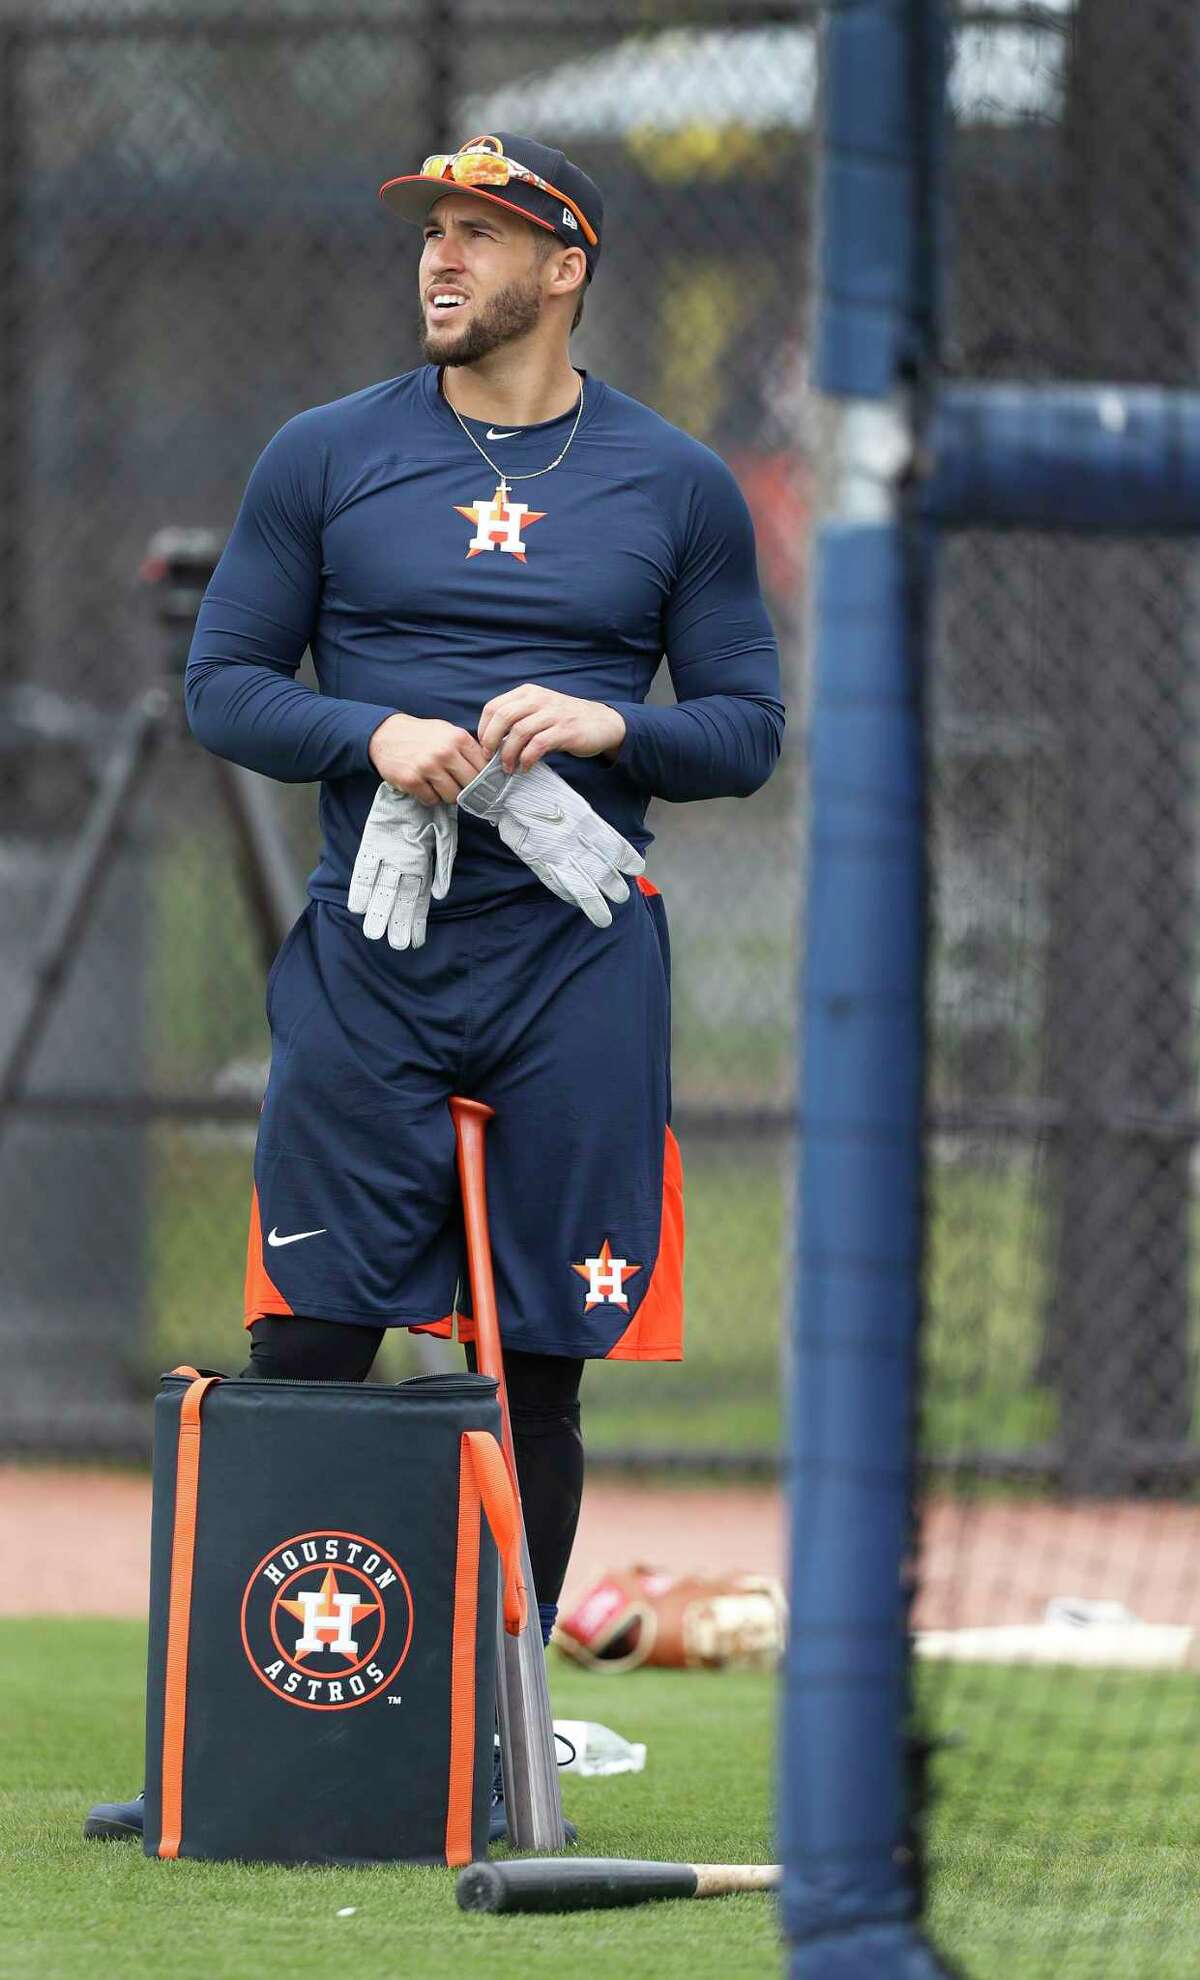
[(1050, 457), (880, 147), (851, 1875), (849, 1891)]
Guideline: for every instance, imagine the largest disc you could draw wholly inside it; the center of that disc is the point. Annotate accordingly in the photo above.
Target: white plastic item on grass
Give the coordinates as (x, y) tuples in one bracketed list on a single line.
[(1085, 1612), (585, 1748)]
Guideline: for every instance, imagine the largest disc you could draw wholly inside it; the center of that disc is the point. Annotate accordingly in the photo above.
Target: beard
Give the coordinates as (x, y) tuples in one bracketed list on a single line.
[(511, 313)]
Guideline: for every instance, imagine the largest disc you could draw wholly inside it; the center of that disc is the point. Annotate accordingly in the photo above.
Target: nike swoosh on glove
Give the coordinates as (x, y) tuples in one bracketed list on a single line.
[(405, 859), (541, 818)]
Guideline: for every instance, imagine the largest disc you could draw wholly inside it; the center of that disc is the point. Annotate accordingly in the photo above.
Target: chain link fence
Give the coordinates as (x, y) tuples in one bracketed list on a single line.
[(1063, 713), (1058, 1426)]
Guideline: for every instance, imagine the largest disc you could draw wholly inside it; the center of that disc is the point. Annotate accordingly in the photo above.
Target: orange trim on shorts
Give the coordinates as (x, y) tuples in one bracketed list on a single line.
[(444, 1328), (179, 1612), (647, 886), (262, 1295), (656, 1331)]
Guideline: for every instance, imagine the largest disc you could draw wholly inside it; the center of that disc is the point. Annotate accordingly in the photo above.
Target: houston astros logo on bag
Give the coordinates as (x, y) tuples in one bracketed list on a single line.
[(327, 1620)]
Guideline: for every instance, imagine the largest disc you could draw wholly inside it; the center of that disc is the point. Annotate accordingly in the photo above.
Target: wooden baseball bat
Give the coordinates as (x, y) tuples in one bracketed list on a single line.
[(596, 1882), (528, 1756)]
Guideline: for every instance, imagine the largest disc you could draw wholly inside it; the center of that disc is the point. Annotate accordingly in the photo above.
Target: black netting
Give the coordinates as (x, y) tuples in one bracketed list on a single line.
[(1058, 1587)]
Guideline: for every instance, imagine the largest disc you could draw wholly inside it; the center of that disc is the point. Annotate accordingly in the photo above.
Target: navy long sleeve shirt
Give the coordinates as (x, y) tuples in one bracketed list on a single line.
[(372, 532)]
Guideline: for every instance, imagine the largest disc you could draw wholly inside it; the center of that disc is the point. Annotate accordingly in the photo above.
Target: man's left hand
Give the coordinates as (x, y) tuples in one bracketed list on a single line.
[(404, 861), (528, 722)]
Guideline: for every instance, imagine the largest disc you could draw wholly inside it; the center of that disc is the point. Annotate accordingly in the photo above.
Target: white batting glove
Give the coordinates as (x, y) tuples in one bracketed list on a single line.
[(405, 859), (546, 823)]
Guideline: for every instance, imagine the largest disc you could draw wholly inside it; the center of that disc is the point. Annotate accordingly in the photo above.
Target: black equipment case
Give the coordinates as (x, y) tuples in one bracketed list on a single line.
[(322, 1660)]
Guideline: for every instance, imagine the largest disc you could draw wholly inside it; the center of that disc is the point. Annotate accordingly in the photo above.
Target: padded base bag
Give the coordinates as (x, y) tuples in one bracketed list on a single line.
[(322, 1664)]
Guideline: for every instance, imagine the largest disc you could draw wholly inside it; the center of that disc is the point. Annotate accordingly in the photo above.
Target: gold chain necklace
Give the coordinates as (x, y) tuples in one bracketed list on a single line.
[(504, 479)]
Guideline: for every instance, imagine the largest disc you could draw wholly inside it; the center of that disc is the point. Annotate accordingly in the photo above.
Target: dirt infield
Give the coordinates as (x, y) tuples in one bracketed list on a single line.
[(76, 1542), (1001, 1561)]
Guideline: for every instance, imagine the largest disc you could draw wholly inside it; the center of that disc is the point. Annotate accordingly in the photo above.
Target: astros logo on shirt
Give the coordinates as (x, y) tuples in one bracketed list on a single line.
[(327, 1620), (498, 523)]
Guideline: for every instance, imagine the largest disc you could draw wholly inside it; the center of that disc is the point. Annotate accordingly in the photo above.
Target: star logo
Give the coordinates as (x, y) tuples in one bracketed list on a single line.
[(606, 1278), (329, 1616), (498, 524)]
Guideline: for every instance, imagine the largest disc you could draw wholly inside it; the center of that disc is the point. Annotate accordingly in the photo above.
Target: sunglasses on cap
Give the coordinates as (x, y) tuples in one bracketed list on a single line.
[(485, 167)]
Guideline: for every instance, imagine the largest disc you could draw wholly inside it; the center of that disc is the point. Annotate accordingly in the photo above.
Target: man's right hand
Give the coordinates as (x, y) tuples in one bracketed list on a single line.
[(575, 853), (430, 760)]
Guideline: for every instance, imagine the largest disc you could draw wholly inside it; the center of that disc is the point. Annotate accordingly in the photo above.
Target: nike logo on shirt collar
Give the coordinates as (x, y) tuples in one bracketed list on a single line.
[(493, 435)]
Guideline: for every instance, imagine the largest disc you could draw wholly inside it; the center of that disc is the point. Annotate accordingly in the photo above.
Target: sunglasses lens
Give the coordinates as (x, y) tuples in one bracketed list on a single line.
[(485, 168), (481, 169)]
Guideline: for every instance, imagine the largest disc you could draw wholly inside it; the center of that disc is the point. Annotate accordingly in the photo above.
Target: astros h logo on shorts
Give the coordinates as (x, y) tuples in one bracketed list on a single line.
[(327, 1620)]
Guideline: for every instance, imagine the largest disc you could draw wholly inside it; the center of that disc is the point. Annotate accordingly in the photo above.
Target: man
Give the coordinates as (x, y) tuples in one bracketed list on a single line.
[(488, 558)]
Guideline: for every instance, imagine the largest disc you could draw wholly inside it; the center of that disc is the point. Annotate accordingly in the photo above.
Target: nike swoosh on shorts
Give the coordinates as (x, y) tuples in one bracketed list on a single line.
[(274, 1239)]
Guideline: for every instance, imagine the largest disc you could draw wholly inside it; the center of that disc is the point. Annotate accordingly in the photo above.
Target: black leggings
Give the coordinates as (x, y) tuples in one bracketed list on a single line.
[(543, 1402)]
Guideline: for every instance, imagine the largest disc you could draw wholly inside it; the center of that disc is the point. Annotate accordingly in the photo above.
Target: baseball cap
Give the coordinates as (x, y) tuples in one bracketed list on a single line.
[(567, 203)]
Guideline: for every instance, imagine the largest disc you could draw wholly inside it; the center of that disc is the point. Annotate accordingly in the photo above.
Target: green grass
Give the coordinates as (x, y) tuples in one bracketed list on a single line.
[(204, 997), (986, 1291), (73, 1733), (1066, 1831), (1062, 1844)]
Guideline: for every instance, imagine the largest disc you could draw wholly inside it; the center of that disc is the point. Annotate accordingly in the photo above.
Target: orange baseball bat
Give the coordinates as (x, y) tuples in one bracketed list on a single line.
[(528, 1755)]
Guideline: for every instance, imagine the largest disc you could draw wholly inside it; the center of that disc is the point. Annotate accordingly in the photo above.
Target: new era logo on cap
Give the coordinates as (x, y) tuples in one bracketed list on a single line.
[(569, 220)]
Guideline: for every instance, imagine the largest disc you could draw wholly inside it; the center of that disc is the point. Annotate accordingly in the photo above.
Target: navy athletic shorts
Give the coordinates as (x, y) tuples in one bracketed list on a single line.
[(564, 1029)]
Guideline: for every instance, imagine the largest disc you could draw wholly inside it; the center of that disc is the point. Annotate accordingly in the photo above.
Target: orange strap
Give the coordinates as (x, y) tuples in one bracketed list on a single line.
[(483, 1483), (503, 1509), (179, 1609)]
